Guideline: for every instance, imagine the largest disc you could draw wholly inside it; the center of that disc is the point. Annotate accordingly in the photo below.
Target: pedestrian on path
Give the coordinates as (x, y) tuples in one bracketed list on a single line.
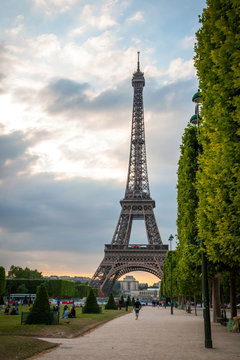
[(137, 307)]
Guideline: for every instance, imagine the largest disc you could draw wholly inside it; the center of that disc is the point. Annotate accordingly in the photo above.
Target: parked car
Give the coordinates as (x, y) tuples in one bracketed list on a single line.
[(79, 303), (52, 301), (101, 301)]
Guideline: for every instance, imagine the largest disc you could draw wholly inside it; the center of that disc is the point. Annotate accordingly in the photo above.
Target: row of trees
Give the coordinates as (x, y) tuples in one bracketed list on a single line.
[(55, 287), (209, 166), (16, 272)]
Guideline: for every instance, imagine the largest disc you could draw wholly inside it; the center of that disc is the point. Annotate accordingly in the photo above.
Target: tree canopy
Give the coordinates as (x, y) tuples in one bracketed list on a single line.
[(19, 273), (218, 183)]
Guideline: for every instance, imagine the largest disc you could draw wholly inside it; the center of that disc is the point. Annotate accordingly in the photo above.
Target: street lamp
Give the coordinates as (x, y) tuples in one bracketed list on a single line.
[(205, 291), (171, 239)]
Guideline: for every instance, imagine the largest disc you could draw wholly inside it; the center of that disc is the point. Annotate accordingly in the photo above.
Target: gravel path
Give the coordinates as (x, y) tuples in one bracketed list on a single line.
[(155, 335)]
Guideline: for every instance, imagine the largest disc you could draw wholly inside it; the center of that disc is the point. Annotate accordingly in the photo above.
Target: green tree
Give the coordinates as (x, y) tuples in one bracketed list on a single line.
[(2, 283), (19, 273), (91, 306), (40, 312), (116, 289), (129, 301), (167, 274), (123, 302), (189, 258), (111, 305), (22, 289), (218, 184)]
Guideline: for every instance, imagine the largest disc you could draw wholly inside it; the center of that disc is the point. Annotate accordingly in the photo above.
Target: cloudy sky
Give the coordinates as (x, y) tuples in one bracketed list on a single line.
[(66, 107)]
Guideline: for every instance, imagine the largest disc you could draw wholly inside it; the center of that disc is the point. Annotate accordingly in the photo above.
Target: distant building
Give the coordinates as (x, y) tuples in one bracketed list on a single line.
[(52, 277), (156, 285), (129, 284), (143, 286), (147, 294)]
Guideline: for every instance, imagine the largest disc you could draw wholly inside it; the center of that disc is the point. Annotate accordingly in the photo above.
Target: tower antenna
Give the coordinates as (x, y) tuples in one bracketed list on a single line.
[(138, 68)]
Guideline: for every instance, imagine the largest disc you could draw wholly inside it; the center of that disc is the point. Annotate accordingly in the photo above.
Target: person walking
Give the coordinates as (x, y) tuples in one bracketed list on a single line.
[(137, 307), (120, 304)]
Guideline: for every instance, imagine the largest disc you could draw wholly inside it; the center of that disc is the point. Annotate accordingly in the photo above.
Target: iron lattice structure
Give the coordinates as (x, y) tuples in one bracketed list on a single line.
[(121, 257)]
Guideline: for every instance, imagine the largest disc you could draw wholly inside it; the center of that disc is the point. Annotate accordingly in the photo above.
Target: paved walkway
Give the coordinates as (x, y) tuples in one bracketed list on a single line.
[(156, 335)]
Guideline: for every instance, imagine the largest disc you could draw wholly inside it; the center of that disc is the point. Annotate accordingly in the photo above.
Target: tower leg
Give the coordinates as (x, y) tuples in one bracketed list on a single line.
[(152, 229), (123, 229)]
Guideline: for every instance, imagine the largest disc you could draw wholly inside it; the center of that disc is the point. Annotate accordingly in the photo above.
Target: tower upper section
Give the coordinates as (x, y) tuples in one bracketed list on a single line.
[(138, 77), (137, 181)]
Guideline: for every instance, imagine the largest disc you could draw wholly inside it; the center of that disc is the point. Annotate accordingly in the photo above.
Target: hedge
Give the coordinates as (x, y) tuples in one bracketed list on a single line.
[(55, 288)]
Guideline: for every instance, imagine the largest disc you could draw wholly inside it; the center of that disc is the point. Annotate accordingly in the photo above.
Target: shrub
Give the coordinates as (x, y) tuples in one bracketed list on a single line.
[(129, 301), (40, 312), (111, 305), (22, 289), (123, 302), (39, 318), (91, 306)]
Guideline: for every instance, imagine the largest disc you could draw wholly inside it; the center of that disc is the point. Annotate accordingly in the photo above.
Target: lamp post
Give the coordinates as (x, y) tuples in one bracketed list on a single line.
[(205, 292), (171, 239)]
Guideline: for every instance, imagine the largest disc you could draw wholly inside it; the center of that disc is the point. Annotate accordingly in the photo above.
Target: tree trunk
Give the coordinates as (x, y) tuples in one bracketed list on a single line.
[(233, 294), (180, 301), (195, 305), (183, 302), (216, 301)]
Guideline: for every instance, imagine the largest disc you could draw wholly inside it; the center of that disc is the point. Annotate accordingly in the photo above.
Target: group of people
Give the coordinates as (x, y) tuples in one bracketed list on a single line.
[(9, 311), (66, 314)]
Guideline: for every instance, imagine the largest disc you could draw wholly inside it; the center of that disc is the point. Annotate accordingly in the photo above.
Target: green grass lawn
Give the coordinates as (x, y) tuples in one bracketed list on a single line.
[(17, 341), (21, 347)]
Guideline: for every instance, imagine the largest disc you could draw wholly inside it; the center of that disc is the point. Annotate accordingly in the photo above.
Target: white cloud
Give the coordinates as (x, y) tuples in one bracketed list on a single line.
[(138, 16), (17, 28), (188, 41), (54, 6), (98, 18), (180, 69), (99, 58), (94, 16), (44, 46)]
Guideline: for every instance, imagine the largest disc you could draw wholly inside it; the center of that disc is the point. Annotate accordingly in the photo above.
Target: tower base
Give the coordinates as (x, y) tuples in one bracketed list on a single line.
[(122, 259)]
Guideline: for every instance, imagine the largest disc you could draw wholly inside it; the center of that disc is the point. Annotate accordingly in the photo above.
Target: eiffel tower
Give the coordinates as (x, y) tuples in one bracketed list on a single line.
[(121, 257)]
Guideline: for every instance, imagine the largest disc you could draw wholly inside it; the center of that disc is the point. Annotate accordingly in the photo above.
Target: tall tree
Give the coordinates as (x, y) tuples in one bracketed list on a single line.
[(189, 264), (166, 280), (217, 61), (20, 273), (2, 283)]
